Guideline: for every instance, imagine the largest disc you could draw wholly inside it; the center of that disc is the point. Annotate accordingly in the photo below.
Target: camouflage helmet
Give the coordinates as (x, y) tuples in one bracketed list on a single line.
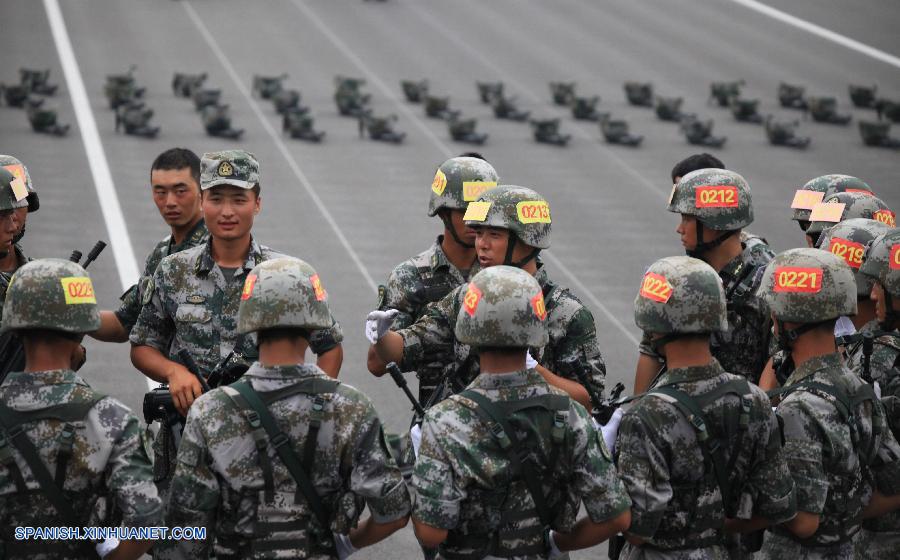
[(827, 185), (53, 294), (680, 295), (848, 240), (519, 209), (13, 193), (808, 286), (283, 293), (855, 205), (459, 181), (882, 261), (718, 198), (17, 168), (503, 307)]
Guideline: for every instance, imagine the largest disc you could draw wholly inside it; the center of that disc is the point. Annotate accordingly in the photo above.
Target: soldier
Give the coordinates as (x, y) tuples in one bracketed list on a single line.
[(191, 302), (13, 204), (715, 205), (701, 452), (803, 202), (298, 505), (512, 225), (841, 206), (432, 274), (175, 184), (504, 466), (53, 421), (880, 537), (838, 447)]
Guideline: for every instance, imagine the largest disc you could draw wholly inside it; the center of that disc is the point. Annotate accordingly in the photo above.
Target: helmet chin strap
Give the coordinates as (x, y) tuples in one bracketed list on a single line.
[(702, 247), (448, 225), (787, 338), (510, 246)]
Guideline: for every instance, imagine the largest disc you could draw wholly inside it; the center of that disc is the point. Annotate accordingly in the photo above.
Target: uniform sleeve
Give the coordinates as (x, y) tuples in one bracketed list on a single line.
[(438, 492), (129, 475), (375, 476), (397, 295), (129, 308), (154, 327), (432, 334), (803, 445), (323, 340), (579, 348), (194, 492), (595, 478), (645, 472)]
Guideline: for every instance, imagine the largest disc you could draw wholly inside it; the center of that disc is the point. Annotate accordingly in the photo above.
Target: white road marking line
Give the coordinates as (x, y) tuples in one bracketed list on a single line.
[(123, 254), (820, 31), (447, 152), (279, 143)]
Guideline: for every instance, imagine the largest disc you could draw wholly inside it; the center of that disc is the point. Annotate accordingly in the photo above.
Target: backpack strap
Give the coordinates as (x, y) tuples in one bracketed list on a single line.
[(509, 443)]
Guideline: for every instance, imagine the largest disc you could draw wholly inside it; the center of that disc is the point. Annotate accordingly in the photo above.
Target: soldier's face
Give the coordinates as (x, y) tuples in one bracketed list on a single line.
[(464, 232), (687, 229), (21, 216), (229, 211), (176, 195), (490, 246), (9, 227)]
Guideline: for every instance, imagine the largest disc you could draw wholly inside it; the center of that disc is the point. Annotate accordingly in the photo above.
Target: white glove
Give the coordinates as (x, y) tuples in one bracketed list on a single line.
[(107, 546), (344, 547), (378, 323), (610, 430), (415, 434), (530, 363), (844, 327), (555, 552)]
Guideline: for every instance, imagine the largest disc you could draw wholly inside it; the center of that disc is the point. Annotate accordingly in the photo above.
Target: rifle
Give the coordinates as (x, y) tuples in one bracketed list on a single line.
[(158, 403), (397, 376), (603, 408), (16, 361)]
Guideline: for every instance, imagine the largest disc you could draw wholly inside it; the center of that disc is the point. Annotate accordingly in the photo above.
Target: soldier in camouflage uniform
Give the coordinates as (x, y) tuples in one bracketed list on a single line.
[(175, 183), (855, 205), (192, 299), (700, 453), (432, 274), (53, 422), (815, 191), (880, 536), (839, 449), (13, 203), (504, 466), (512, 225), (233, 478), (715, 205)]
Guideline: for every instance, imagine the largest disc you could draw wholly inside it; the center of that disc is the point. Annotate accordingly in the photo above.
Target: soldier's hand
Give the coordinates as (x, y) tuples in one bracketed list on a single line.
[(378, 323), (184, 387)]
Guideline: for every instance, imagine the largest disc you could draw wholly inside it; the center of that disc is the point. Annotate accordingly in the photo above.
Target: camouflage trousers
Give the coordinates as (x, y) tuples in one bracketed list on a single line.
[(877, 546), (630, 552), (778, 547)]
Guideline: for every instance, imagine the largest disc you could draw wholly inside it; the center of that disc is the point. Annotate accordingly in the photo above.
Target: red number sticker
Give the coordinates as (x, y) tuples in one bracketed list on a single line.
[(655, 287), (724, 196), (537, 305), (894, 261), (317, 287), (798, 279), (885, 217), (248, 286), (471, 299), (850, 251)]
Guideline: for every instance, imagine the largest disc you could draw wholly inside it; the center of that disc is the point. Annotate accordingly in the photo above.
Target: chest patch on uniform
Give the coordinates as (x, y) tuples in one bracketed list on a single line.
[(806, 200), (317, 287), (78, 290), (439, 183), (249, 283), (798, 279), (471, 299), (473, 189), (476, 211), (827, 212), (894, 260), (655, 287), (197, 299), (716, 196), (850, 251), (538, 306), (885, 217), (533, 211)]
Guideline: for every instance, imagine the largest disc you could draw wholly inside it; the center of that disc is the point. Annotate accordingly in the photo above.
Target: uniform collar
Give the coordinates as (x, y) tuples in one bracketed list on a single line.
[(205, 261), (259, 371), (813, 365), (733, 269), (195, 237), (50, 377), (505, 380), (691, 374)]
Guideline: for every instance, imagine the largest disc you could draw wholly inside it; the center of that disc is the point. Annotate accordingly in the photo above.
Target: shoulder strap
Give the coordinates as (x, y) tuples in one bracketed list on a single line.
[(282, 444), (515, 453)]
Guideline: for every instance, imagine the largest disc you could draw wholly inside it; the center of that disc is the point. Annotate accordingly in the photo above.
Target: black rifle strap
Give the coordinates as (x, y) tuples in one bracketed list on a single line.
[(497, 422)]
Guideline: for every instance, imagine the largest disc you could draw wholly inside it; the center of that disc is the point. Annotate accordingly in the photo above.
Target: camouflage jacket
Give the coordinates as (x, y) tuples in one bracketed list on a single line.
[(835, 463), (573, 338), (463, 480), (219, 478), (193, 306), (9, 342), (745, 348), (133, 299), (107, 464), (678, 504)]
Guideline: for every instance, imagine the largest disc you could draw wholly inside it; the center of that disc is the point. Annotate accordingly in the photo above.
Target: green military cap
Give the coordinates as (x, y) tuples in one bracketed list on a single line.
[(13, 193), (827, 185), (283, 293), (229, 167), (848, 240), (502, 307), (680, 295), (848, 205), (521, 210), (808, 286), (17, 168), (459, 181), (882, 261), (718, 198), (53, 294)]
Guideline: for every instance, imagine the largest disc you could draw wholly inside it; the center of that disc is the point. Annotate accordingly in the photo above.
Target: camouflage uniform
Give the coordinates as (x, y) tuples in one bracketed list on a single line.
[(133, 299), (14, 195)]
